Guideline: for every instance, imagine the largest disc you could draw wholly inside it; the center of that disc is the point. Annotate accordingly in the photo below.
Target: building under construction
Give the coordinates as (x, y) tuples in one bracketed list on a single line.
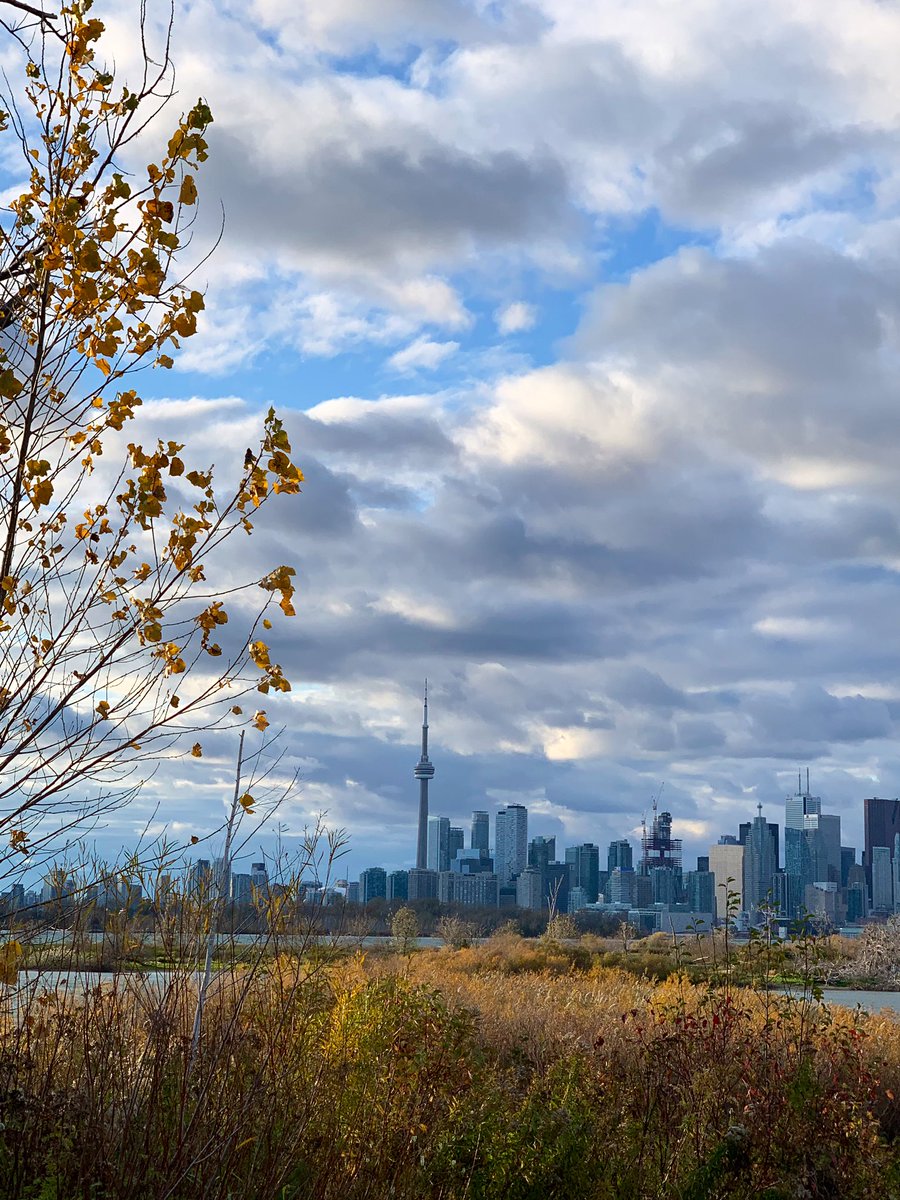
[(658, 848)]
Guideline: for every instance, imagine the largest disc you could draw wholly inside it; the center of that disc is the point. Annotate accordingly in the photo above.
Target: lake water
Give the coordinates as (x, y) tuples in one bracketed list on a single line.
[(870, 1001), (79, 982)]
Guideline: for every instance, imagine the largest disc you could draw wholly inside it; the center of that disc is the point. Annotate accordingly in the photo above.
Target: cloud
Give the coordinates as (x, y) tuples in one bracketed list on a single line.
[(421, 355), (515, 318), (656, 536)]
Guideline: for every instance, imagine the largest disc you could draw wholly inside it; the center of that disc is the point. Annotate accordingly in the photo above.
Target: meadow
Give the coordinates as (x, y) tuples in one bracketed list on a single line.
[(516, 1068)]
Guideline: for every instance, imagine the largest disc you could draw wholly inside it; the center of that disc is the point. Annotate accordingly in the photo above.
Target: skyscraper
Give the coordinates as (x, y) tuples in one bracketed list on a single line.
[(541, 852), (726, 861), (882, 824), (424, 771), (438, 856), (585, 869), (619, 856), (882, 880), (812, 845), (372, 884), (760, 864), (481, 832), (512, 841), (457, 842)]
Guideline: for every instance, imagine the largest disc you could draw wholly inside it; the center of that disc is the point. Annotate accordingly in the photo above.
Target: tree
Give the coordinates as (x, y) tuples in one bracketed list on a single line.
[(455, 932), (110, 631), (405, 929)]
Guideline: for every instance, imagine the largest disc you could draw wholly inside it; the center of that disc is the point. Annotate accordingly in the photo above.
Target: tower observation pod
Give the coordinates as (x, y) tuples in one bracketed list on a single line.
[(424, 770)]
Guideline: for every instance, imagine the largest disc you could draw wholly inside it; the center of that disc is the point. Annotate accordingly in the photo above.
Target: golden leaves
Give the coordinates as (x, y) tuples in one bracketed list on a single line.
[(10, 385), (260, 721), (102, 710), (11, 954), (246, 802), (188, 192), (196, 750), (170, 653), (279, 580), (211, 618), (259, 655), (161, 210)]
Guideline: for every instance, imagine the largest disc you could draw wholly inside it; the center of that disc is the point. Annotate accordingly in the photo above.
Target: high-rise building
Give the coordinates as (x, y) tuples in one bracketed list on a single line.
[(398, 885), (800, 805), (530, 888), (457, 841), (511, 841), (621, 885), (472, 862), (372, 885), (857, 893), (658, 847), (241, 888), (665, 886), (259, 877), (848, 860), (882, 824), (823, 832), (726, 861), (812, 845), (700, 888), (584, 864), (200, 878), (760, 865), (556, 886), (882, 880), (422, 885), (479, 889), (541, 852), (774, 834), (438, 858), (424, 772), (619, 856), (221, 878), (481, 832)]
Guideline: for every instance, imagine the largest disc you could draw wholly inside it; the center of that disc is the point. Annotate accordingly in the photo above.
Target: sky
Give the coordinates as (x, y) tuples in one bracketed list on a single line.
[(585, 324)]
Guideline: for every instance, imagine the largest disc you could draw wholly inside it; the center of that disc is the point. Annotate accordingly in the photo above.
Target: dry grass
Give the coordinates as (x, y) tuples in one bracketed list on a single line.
[(513, 1069)]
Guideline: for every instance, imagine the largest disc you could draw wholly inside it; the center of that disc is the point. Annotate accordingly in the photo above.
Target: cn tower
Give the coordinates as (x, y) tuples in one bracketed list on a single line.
[(423, 772)]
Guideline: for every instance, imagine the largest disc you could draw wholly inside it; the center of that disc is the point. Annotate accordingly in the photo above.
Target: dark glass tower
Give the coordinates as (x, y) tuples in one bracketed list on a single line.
[(423, 772)]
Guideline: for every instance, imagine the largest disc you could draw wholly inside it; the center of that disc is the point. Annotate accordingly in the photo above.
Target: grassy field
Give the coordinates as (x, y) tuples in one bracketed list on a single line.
[(511, 1069)]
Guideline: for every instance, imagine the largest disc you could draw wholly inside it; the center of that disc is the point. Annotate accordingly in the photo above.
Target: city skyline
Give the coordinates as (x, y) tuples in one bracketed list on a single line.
[(594, 399)]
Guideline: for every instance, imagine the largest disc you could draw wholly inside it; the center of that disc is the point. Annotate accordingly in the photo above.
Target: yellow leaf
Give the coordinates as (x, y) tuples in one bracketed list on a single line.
[(260, 721), (247, 802), (188, 191), (237, 710), (163, 209), (10, 957), (102, 710), (197, 750)]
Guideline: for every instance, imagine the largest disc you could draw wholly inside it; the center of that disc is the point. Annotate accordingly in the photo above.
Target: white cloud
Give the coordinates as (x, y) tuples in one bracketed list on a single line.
[(516, 318), (422, 355)]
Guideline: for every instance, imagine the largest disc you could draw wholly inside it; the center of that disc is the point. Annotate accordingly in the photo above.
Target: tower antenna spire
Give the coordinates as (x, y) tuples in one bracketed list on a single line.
[(424, 771)]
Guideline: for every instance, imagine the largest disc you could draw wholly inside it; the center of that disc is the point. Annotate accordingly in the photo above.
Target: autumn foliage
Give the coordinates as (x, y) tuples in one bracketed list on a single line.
[(115, 639)]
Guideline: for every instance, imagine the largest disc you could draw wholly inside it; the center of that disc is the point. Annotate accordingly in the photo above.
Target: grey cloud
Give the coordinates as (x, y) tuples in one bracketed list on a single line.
[(754, 148), (635, 685), (381, 204), (401, 439), (811, 717)]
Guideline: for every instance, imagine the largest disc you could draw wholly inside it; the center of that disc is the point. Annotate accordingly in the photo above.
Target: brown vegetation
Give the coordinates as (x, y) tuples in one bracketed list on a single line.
[(511, 1069)]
